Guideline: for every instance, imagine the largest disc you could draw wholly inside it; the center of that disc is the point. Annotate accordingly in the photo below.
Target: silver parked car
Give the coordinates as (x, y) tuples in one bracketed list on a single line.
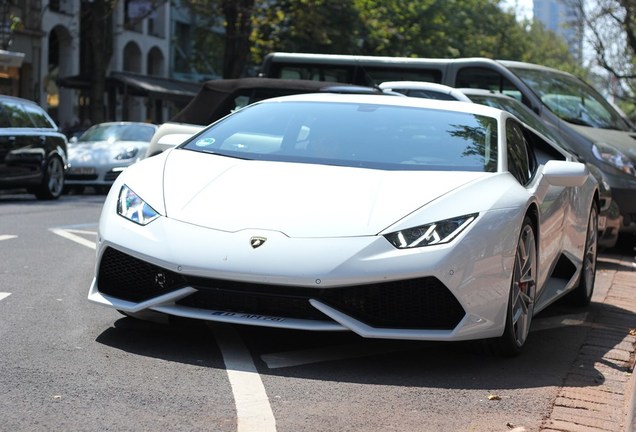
[(101, 153)]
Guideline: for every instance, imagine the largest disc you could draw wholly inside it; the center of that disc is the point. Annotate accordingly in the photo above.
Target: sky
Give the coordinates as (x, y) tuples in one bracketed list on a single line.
[(523, 7)]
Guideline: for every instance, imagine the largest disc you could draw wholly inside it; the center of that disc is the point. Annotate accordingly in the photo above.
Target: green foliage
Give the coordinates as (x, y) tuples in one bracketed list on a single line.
[(409, 28), (201, 50), (544, 47), (321, 26), (15, 23)]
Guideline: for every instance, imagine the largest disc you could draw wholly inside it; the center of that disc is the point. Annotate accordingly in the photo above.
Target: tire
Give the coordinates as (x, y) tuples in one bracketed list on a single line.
[(521, 297), (582, 294), (52, 184)]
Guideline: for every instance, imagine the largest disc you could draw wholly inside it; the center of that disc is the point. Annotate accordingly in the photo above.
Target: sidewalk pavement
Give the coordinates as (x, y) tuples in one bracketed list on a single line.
[(599, 392)]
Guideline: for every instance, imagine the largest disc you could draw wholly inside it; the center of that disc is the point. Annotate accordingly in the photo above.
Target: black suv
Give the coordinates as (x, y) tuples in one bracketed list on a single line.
[(32, 149)]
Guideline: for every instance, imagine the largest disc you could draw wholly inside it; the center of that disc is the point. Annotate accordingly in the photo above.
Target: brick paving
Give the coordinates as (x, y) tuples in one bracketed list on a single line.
[(599, 391)]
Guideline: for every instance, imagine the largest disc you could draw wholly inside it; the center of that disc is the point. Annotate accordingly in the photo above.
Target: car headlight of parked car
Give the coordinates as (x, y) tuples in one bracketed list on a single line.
[(133, 208), (430, 234), (129, 153), (614, 157)]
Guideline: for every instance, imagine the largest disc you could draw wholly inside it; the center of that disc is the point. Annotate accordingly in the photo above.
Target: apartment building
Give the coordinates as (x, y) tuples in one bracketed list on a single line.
[(561, 17), (48, 58)]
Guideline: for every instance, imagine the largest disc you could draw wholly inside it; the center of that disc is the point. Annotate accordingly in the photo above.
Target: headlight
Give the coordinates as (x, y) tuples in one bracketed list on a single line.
[(430, 234), (133, 208), (614, 157), (129, 153)]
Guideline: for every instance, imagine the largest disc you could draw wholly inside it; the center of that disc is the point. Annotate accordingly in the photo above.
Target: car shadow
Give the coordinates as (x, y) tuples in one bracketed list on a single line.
[(24, 199), (548, 358)]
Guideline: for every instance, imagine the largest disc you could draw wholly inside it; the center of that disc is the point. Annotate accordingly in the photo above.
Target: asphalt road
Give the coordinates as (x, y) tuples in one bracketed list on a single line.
[(69, 365)]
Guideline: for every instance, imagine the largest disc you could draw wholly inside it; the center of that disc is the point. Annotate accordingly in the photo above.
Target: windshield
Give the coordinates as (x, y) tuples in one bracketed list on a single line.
[(571, 99), (516, 108), (118, 132), (355, 135)]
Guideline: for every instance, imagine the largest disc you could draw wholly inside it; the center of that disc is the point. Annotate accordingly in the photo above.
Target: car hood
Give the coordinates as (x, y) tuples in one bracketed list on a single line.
[(624, 141), (299, 200), (98, 150)]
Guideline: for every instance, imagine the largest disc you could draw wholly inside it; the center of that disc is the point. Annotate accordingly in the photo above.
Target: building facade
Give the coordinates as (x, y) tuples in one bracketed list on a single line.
[(49, 59), (562, 19)]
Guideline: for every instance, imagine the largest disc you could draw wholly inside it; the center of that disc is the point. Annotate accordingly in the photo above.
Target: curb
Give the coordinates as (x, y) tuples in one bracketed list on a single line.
[(599, 391)]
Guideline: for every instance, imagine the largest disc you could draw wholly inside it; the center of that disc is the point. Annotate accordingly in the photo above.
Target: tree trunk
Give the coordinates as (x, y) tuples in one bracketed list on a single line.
[(238, 27), (101, 42)]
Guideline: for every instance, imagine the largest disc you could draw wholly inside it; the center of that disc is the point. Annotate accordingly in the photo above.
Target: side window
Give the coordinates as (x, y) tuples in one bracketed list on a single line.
[(316, 72), (18, 118), (520, 162), (39, 118), (5, 116), (488, 79), (380, 74)]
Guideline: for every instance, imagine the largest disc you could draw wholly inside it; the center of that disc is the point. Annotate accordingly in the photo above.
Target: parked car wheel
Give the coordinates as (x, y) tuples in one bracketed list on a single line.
[(522, 295), (52, 181), (582, 295)]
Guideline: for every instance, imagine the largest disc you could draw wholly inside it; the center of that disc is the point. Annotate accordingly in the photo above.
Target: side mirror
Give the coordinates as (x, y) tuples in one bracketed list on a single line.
[(565, 173), (73, 140)]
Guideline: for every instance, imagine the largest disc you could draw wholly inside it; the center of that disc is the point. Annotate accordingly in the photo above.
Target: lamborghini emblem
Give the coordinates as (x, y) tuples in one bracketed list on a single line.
[(257, 241)]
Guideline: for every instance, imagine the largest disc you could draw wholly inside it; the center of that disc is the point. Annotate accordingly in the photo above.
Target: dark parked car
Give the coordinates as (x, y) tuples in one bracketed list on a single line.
[(32, 149), (218, 98), (609, 221)]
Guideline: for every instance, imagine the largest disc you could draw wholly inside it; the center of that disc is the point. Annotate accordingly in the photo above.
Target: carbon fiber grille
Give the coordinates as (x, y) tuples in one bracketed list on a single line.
[(411, 303), (129, 278), (423, 303)]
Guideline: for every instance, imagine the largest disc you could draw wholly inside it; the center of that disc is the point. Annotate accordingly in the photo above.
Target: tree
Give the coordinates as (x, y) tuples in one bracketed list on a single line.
[(320, 26), (410, 28), (542, 46), (97, 19), (611, 34), (236, 17), (97, 26), (238, 28)]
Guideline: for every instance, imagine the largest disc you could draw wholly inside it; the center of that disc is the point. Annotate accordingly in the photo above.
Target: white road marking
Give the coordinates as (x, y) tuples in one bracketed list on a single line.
[(4, 295), (7, 237), (68, 234), (76, 231), (254, 413), (341, 352)]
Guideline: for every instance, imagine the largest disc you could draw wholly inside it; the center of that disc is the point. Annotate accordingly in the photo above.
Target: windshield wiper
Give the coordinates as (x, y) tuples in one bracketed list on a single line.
[(577, 121)]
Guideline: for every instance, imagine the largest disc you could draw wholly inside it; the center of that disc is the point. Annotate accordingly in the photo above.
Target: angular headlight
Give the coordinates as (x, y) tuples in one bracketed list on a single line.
[(430, 234), (614, 157), (133, 208), (129, 153)]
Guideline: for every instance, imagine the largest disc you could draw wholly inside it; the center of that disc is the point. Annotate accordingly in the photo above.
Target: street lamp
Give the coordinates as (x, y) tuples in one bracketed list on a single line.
[(6, 33)]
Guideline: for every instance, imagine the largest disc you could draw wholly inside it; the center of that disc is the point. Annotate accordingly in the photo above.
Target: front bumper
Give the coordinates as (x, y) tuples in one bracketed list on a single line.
[(92, 176), (448, 292)]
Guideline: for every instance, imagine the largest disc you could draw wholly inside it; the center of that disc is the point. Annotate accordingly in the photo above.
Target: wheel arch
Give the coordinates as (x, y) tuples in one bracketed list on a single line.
[(533, 213)]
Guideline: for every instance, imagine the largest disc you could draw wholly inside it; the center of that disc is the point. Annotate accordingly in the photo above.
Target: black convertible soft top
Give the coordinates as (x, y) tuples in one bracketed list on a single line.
[(217, 98)]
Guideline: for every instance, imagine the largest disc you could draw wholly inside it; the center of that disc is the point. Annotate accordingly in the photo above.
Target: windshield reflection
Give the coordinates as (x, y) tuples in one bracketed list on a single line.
[(355, 135), (571, 99)]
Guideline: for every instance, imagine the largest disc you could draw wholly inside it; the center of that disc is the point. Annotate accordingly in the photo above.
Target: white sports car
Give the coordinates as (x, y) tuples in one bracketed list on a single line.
[(391, 217)]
